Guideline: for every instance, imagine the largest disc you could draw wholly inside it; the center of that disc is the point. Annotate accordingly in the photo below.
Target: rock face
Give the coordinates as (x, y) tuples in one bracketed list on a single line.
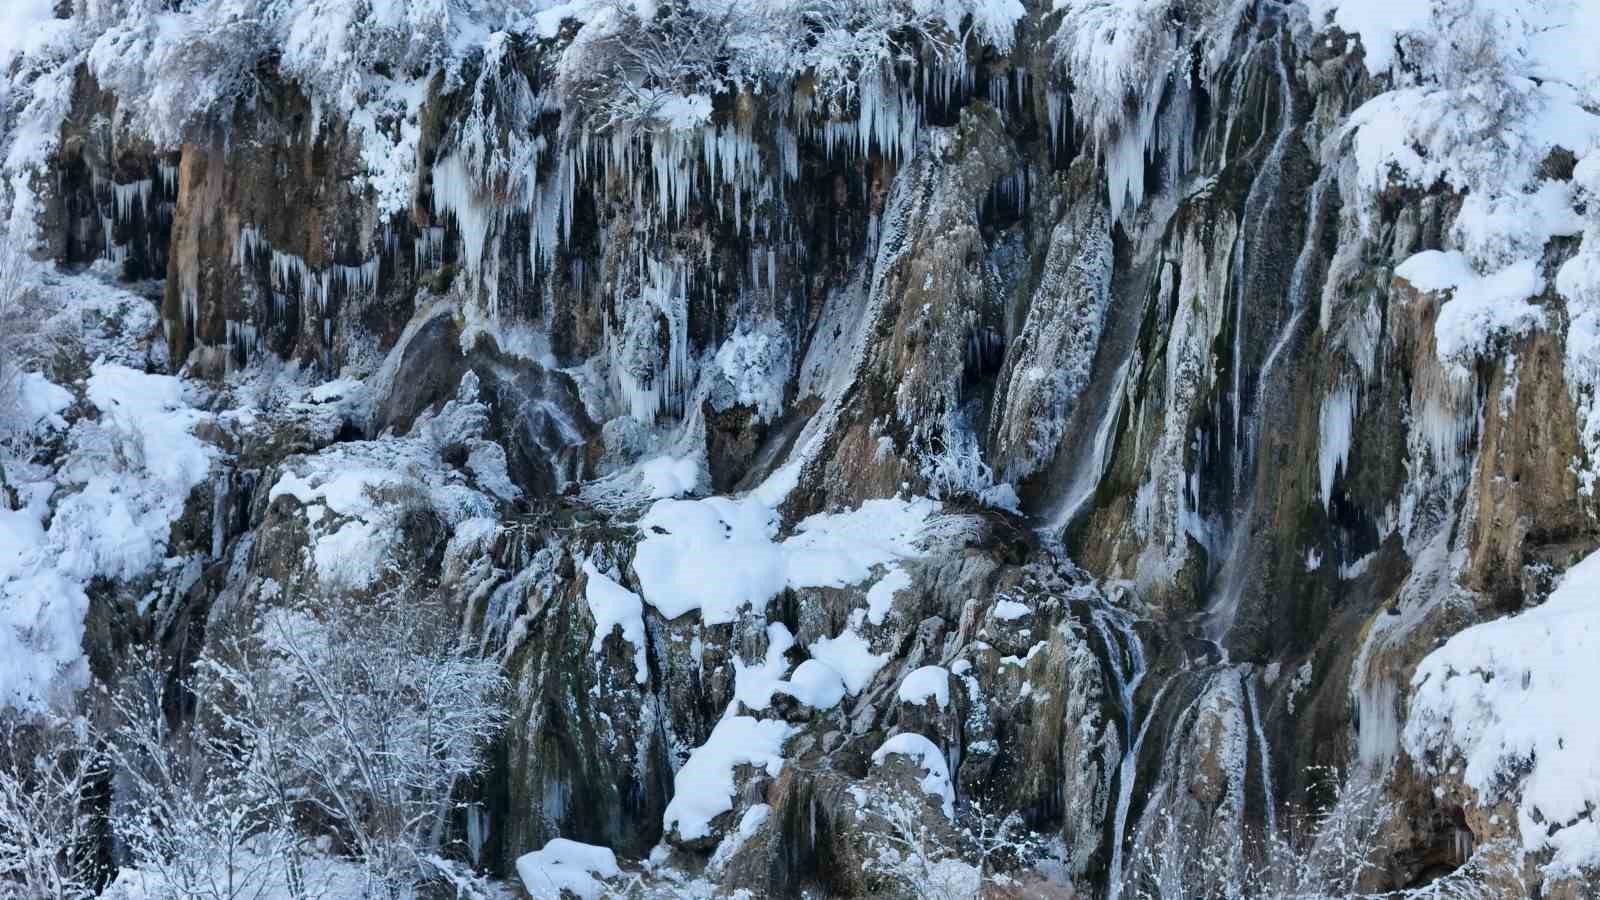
[(1211, 477)]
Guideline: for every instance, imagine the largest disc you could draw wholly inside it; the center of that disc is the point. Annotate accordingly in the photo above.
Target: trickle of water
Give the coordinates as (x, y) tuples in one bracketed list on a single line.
[(1264, 752), (1106, 620), (1265, 190), (1125, 776), (1084, 482)]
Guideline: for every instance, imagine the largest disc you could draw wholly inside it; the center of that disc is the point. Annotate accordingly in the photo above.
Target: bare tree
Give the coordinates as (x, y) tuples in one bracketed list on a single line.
[(917, 850), (17, 321), (47, 818), (910, 850), (194, 822), (368, 718)]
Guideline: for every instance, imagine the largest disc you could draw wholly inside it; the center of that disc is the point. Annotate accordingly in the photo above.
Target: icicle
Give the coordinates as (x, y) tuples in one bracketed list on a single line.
[(126, 199), (115, 252), (428, 248), (1337, 424), (169, 179), (453, 195)]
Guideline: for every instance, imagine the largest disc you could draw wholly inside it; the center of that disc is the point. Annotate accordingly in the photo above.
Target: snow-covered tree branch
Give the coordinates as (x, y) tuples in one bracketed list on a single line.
[(48, 832)]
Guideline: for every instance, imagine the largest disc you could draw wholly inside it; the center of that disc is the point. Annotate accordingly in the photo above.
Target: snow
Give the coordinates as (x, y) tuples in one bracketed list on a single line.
[(670, 476), (40, 402), (928, 682), (1481, 308), (816, 684), (250, 871), (880, 597), (720, 554), (681, 113), (1499, 229), (41, 618), (21, 22), (754, 684), (1378, 22), (703, 789), (154, 412), (1011, 610), (615, 607), (993, 21), (366, 485), (563, 866), (128, 477), (1499, 696), (749, 823), (1551, 35), (335, 390), (663, 476), (755, 364), (1479, 113), (851, 656), (936, 780), (1578, 281), (352, 554)]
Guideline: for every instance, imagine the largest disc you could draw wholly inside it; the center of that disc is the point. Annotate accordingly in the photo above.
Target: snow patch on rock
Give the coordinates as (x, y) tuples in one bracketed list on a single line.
[(563, 866), (703, 789), (928, 682), (936, 780), (721, 554), (1499, 696), (614, 607)]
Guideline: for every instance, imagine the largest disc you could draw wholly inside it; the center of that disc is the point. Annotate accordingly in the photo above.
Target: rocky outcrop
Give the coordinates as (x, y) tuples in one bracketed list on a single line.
[(1210, 490)]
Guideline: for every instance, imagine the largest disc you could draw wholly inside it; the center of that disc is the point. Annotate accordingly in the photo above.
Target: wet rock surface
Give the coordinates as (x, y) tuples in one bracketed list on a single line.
[(1205, 493)]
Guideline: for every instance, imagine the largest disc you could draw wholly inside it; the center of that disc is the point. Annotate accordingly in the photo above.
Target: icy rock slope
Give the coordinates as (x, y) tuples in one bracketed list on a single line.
[(849, 417)]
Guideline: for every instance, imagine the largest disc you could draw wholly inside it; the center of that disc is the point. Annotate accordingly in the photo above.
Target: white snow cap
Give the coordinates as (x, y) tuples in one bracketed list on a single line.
[(718, 555), (564, 865), (926, 682), (816, 684), (936, 781)]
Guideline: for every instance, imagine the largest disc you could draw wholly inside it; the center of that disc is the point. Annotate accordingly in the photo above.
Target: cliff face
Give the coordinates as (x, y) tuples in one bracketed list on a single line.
[(1110, 395)]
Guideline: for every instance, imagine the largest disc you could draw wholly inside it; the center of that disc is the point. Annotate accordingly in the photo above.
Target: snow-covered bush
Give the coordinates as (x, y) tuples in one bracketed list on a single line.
[(853, 42), (175, 75), (1486, 92), (956, 468), (624, 70), (914, 851), (495, 140)]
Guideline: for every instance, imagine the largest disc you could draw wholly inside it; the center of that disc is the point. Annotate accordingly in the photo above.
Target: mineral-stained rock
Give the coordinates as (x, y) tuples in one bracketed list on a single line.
[(1127, 296)]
